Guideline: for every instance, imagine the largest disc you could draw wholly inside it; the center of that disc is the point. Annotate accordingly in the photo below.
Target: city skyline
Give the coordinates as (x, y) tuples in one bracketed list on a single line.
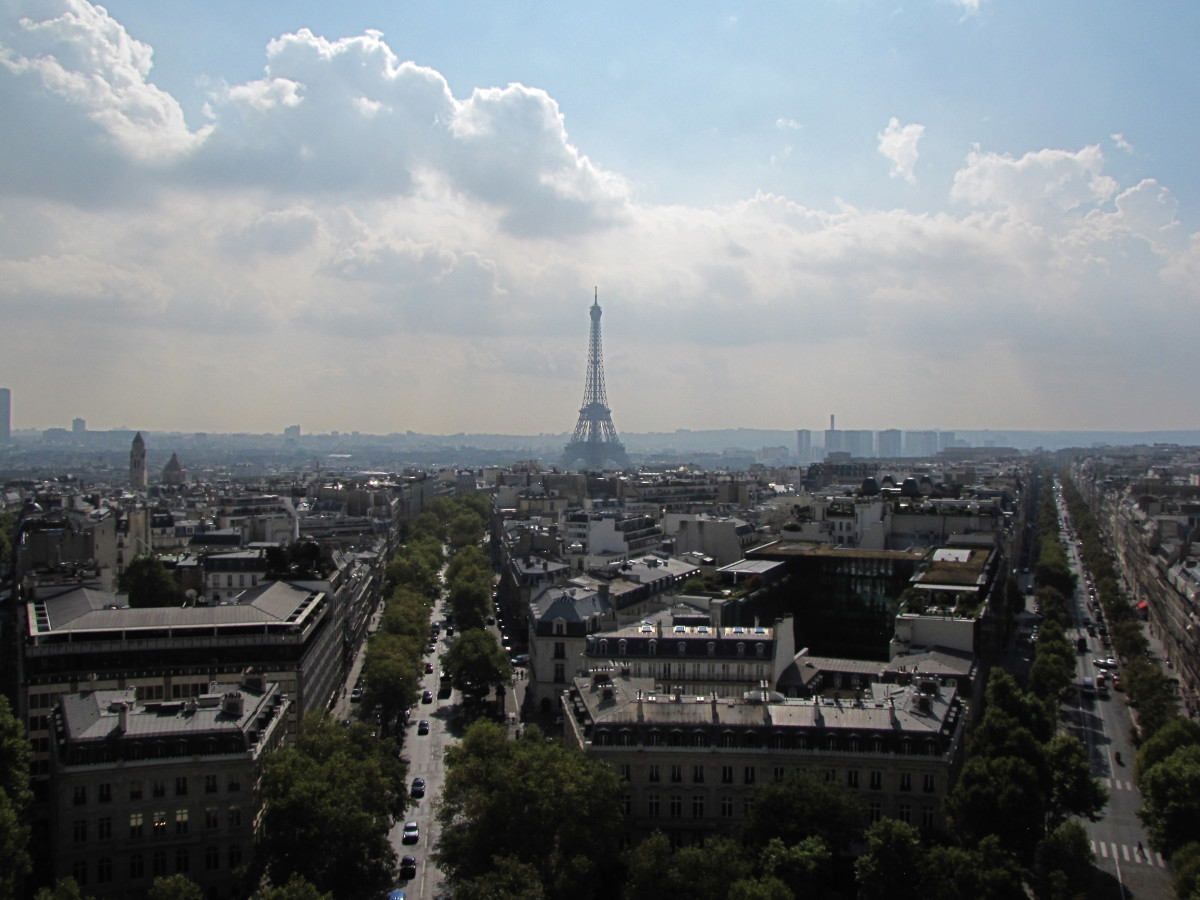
[(957, 214)]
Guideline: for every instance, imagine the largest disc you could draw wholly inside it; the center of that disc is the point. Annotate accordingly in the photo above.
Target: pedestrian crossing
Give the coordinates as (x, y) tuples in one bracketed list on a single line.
[(1125, 853), (1117, 784)]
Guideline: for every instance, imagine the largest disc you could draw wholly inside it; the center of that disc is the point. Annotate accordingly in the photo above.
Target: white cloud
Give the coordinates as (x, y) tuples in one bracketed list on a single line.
[(1119, 140), (429, 258), (898, 143), (784, 124)]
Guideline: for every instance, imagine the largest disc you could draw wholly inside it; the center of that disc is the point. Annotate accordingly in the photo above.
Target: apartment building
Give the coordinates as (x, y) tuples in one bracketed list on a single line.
[(144, 789), (691, 762)]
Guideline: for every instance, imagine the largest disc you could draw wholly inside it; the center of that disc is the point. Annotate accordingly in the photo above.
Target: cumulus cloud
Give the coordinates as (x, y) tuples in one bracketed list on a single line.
[(1119, 140), (439, 252), (898, 143)]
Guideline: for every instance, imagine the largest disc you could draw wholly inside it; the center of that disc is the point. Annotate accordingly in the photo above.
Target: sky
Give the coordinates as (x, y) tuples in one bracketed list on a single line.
[(393, 216)]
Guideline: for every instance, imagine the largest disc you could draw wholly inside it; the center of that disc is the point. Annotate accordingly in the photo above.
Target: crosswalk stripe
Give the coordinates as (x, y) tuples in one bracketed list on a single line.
[(1125, 851), (1103, 850)]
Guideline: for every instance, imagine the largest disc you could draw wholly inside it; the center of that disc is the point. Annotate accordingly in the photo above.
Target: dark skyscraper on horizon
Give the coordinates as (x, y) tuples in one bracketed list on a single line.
[(595, 442)]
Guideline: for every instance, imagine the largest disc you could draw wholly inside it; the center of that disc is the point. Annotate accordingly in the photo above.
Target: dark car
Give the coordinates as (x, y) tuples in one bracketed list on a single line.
[(408, 868), (423, 727), (428, 668), (418, 787), (411, 834), (427, 696)]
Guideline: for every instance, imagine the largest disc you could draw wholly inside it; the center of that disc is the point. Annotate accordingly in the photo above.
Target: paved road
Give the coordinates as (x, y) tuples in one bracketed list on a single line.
[(1128, 867)]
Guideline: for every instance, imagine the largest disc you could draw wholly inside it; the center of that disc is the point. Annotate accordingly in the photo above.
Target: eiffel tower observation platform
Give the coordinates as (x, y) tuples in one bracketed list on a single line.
[(595, 444)]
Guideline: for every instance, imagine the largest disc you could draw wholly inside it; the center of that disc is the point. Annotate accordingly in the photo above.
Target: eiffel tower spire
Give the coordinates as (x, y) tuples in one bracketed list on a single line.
[(595, 440)]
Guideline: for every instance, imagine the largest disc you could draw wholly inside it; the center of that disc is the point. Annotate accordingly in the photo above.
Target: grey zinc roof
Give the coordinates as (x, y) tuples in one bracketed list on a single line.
[(85, 609), (92, 715)]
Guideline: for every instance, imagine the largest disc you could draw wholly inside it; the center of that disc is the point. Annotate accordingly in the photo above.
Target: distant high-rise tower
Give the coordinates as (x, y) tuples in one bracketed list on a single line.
[(595, 441), (137, 463), (5, 415)]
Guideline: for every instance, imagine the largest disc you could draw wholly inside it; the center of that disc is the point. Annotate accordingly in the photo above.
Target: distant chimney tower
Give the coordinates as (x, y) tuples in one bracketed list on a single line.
[(831, 425), (137, 463)]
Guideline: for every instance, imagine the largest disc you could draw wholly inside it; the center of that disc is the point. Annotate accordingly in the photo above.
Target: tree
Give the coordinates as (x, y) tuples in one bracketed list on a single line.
[(329, 804), (1073, 790), (1064, 857), (148, 583), (64, 889), (15, 799), (476, 663), (988, 872), (890, 868), (1171, 800), (540, 803), (174, 887), (1179, 732), (392, 674), (510, 879), (297, 888), (465, 529), (1186, 863), (806, 867), (1004, 693), (803, 806), (1001, 796)]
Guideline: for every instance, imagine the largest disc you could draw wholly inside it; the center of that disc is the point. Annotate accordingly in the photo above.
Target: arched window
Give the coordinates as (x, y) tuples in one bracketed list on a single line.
[(741, 649), (712, 648), (653, 648), (603, 647), (682, 647), (761, 649), (622, 647)]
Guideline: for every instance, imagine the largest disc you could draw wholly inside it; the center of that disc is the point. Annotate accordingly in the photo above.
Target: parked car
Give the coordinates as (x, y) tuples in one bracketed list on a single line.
[(412, 833), (428, 668), (427, 696), (423, 727), (418, 787)]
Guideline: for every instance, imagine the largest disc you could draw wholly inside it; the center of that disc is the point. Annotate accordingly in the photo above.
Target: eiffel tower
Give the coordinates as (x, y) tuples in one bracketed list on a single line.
[(595, 441)]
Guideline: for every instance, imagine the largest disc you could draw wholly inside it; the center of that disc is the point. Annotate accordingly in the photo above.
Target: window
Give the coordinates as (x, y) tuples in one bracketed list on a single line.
[(875, 810), (653, 773), (905, 782), (603, 647), (212, 817), (235, 817), (181, 821), (852, 778), (906, 812), (158, 788), (104, 828), (652, 806), (105, 793), (135, 826), (135, 790), (158, 863), (697, 774), (778, 773), (560, 650), (676, 806), (235, 785), (726, 774), (79, 795), (183, 860), (623, 771), (560, 672), (876, 781), (928, 785), (676, 774), (160, 823), (235, 855), (79, 871), (212, 857), (104, 870), (626, 805), (210, 784), (137, 866), (682, 648), (830, 776), (79, 831), (927, 817), (181, 786), (726, 807), (698, 807), (748, 775)]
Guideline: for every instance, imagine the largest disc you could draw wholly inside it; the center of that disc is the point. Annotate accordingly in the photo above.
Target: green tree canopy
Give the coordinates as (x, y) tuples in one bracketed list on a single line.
[(1001, 796), (1064, 858), (891, 866), (1073, 791), (296, 888), (148, 583), (476, 663), (988, 872), (174, 887), (536, 801), (329, 805), (1179, 732), (1171, 800), (803, 806), (15, 799)]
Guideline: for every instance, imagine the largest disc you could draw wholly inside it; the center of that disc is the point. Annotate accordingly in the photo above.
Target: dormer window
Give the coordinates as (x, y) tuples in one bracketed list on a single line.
[(682, 646), (741, 649), (560, 627), (760, 649), (604, 648), (622, 647), (653, 648), (712, 648)]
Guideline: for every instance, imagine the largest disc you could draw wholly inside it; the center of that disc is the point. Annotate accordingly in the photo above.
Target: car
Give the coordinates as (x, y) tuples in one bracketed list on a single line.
[(408, 868), (1111, 663), (397, 895), (356, 695), (491, 620), (428, 668), (423, 727), (427, 696), (412, 833), (520, 659), (418, 787)]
